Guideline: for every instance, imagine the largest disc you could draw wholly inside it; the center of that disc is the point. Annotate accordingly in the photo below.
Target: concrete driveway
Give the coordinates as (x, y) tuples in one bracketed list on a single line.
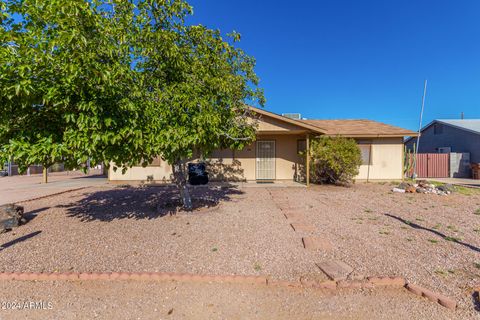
[(20, 188), (459, 181)]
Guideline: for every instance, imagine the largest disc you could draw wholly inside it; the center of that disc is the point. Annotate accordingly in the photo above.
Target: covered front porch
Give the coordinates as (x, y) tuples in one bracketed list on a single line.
[(273, 158), (280, 152)]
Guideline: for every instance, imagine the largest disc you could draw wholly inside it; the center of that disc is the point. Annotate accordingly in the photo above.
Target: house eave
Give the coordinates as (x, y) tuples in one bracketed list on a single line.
[(445, 124), (300, 124), (374, 135)]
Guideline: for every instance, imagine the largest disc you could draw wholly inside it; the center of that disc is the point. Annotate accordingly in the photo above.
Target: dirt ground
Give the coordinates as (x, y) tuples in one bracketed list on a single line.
[(430, 240), (143, 300)]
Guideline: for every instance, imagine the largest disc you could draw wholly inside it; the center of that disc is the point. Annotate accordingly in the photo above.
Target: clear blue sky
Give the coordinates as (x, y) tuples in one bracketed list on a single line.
[(359, 59)]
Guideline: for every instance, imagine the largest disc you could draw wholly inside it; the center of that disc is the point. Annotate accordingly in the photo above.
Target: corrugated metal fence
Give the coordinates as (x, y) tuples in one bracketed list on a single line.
[(432, 165)]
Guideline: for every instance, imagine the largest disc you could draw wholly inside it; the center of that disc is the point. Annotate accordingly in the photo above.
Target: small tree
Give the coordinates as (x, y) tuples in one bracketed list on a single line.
[(334, 160), (119, 81), (64, 69)]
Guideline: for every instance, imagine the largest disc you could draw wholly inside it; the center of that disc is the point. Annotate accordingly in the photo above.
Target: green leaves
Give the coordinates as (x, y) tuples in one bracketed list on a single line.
[(121, 81), (334, 159)]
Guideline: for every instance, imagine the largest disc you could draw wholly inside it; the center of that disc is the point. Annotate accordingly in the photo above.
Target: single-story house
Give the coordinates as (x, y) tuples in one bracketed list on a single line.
[(275, 155), (446, 136)]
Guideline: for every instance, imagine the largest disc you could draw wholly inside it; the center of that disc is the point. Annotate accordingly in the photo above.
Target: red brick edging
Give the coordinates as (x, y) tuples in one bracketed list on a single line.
[(369, 282), (432, 296)]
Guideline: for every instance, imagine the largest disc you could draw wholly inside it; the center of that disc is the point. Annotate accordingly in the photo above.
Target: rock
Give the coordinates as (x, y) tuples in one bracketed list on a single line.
[(421, 190), (411, 189), (11, 216), (422, 183), (404, 185), (446, 188), (423, 186), (450, 187)]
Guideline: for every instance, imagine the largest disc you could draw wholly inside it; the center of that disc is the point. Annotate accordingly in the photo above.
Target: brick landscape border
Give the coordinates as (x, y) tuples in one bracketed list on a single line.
[(369, 282)]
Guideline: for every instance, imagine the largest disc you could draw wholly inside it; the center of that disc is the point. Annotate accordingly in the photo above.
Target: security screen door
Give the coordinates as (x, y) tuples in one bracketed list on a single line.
[(265, 168)]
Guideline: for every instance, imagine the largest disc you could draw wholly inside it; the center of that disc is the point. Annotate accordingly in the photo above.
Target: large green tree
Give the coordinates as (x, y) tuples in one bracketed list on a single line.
[(119, 81), (63, 69)]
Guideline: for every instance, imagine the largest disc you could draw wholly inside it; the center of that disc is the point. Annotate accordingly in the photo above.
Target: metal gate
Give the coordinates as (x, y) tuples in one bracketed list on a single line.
[(265, 167), (432, 165)]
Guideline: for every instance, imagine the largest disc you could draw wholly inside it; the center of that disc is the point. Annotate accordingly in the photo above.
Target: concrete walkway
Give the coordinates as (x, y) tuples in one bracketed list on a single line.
[(459, 181), (20, 188)]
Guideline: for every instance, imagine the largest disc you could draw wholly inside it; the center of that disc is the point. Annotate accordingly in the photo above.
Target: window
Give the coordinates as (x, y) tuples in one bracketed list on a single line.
[(301, 146), (365, 150), (444, 150), (437, 129)]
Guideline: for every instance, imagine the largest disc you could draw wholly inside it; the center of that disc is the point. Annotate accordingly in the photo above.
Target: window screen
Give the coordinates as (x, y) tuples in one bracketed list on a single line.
[(365, 150), (301, 145)]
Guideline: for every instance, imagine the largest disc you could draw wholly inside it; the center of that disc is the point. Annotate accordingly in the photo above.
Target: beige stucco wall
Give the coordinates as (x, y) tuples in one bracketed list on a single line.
[(386, 160), (288, 163), (228, 165), (158, 173), (234, 165), (386, 163), (266, 124), (241, 165)]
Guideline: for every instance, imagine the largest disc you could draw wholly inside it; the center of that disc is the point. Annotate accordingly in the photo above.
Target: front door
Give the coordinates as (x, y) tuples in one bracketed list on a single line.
[(265, 168)]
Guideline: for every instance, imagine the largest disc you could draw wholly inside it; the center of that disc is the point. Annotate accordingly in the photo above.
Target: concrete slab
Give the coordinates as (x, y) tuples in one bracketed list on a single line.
[(20, 188), (316, 243), (303, 227), (335, 269), (294, 216)]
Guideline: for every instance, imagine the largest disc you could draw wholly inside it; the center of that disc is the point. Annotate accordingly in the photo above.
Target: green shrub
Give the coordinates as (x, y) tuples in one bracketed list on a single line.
[(334, 160)]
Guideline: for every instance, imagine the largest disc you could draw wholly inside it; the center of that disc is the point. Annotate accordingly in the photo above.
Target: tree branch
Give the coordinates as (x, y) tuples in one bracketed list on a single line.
[(233, 138)]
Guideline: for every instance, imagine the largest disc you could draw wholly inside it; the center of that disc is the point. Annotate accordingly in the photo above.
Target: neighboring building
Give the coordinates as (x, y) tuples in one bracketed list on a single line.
[(275, 153), (450, 136)]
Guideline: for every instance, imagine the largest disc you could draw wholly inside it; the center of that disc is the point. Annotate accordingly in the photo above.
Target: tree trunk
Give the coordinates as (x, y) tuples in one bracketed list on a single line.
[(45, 174), (105, 169), (181, 183)]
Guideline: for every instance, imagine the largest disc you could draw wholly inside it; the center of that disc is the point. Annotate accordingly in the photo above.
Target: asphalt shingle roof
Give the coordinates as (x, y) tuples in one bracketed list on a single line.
[(467, 124), (359, 128)]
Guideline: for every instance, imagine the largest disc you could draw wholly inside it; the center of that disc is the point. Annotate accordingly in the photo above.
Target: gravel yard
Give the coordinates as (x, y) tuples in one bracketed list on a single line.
[(120, 229), (431, 240)]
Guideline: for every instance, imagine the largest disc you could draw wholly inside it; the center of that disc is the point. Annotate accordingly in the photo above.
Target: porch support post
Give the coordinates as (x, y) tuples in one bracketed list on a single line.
[(307, 165)]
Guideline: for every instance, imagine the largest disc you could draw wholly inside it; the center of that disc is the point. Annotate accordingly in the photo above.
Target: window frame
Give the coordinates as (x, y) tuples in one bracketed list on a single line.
[(365, 144), (299, 142)]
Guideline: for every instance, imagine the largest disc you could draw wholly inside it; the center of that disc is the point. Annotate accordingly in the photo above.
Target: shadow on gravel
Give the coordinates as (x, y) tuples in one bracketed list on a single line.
[(416, 226), (476, 302), (19, 239), (145, 202), (30, 215)]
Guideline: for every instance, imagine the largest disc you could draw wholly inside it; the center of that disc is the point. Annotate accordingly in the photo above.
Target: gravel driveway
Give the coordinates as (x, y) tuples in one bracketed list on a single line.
[(431, 240)]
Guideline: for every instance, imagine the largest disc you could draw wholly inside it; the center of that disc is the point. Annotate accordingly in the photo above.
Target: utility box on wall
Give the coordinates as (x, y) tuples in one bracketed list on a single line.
[(460, 165)]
